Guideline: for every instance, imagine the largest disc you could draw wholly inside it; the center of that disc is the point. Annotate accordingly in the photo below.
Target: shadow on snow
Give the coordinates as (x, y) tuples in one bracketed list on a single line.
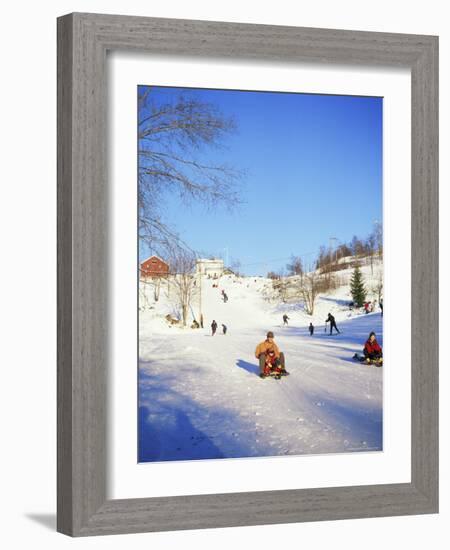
[(168, 425), (249, 367)]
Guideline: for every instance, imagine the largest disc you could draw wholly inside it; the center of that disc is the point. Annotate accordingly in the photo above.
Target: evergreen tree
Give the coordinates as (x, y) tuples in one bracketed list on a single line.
[(357, 287)]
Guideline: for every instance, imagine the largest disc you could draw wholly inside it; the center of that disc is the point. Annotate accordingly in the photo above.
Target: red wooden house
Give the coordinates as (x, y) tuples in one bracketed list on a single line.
[(154, 267)]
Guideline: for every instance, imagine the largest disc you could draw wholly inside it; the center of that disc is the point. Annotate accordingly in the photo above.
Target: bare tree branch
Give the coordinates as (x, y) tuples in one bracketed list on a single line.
[(172, 136)]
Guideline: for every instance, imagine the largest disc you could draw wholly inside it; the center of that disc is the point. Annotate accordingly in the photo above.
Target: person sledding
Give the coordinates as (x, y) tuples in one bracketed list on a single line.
[(372, 350), (271, 360), (373, 354), (330, 319)]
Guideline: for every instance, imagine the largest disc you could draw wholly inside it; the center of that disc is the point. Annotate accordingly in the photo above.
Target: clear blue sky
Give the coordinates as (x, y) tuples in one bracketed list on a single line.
[(313, 170)]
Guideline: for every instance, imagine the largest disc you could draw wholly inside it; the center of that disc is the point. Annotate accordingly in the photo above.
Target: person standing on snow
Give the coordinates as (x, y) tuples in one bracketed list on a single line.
[(285, 319), (267, 348), (332, 322), (213, 328), (224, 328), (311, 329)]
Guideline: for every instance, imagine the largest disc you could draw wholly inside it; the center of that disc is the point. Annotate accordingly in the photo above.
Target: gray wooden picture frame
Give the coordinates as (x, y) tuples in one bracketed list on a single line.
[(83, 41)]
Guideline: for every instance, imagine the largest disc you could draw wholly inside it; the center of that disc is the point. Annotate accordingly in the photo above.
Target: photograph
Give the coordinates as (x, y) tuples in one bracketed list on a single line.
[(260, 273)]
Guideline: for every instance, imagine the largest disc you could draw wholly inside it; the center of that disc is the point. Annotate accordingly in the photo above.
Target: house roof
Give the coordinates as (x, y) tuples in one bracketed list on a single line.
[(157, 257)]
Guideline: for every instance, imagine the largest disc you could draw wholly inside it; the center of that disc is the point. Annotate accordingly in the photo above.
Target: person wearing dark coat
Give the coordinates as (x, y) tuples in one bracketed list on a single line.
[(311, 329), (224, 328), (213, 328), (330, 319), (372, 349), (285, 319)]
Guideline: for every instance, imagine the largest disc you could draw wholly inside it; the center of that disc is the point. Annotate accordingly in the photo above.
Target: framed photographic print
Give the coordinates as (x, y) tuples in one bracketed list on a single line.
[(236, 206)]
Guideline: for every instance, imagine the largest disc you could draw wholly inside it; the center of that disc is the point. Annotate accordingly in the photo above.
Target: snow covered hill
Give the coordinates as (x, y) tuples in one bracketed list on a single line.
[(201, 397)]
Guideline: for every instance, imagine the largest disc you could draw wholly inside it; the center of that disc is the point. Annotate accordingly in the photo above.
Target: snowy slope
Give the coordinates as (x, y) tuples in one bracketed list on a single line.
[(200, 396)]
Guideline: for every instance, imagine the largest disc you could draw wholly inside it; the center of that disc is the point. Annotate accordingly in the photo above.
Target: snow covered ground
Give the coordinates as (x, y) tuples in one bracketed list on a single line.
[(200, 395)]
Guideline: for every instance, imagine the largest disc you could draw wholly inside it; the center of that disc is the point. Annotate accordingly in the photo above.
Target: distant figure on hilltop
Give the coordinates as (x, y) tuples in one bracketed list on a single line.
[(285, 319), (213, 328), (311, 329), (330, 319)]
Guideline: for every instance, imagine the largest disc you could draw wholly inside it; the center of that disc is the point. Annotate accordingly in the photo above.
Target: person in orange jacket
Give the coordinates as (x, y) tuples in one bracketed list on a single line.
[(268, 350)]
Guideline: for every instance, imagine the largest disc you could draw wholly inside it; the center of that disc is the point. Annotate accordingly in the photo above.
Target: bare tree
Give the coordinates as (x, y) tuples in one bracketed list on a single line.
[(378, 237), (182, 279), (323, 259), (357, 246), (377, 289), (171, 136), (156, 288), (343, 251), (144, 302), (236, 267), (281, 285), (295, 267), (329, 281), (308, 288), (370, 247)]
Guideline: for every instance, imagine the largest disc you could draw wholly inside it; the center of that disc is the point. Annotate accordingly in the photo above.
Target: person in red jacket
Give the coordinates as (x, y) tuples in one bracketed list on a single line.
[(372, 349)]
